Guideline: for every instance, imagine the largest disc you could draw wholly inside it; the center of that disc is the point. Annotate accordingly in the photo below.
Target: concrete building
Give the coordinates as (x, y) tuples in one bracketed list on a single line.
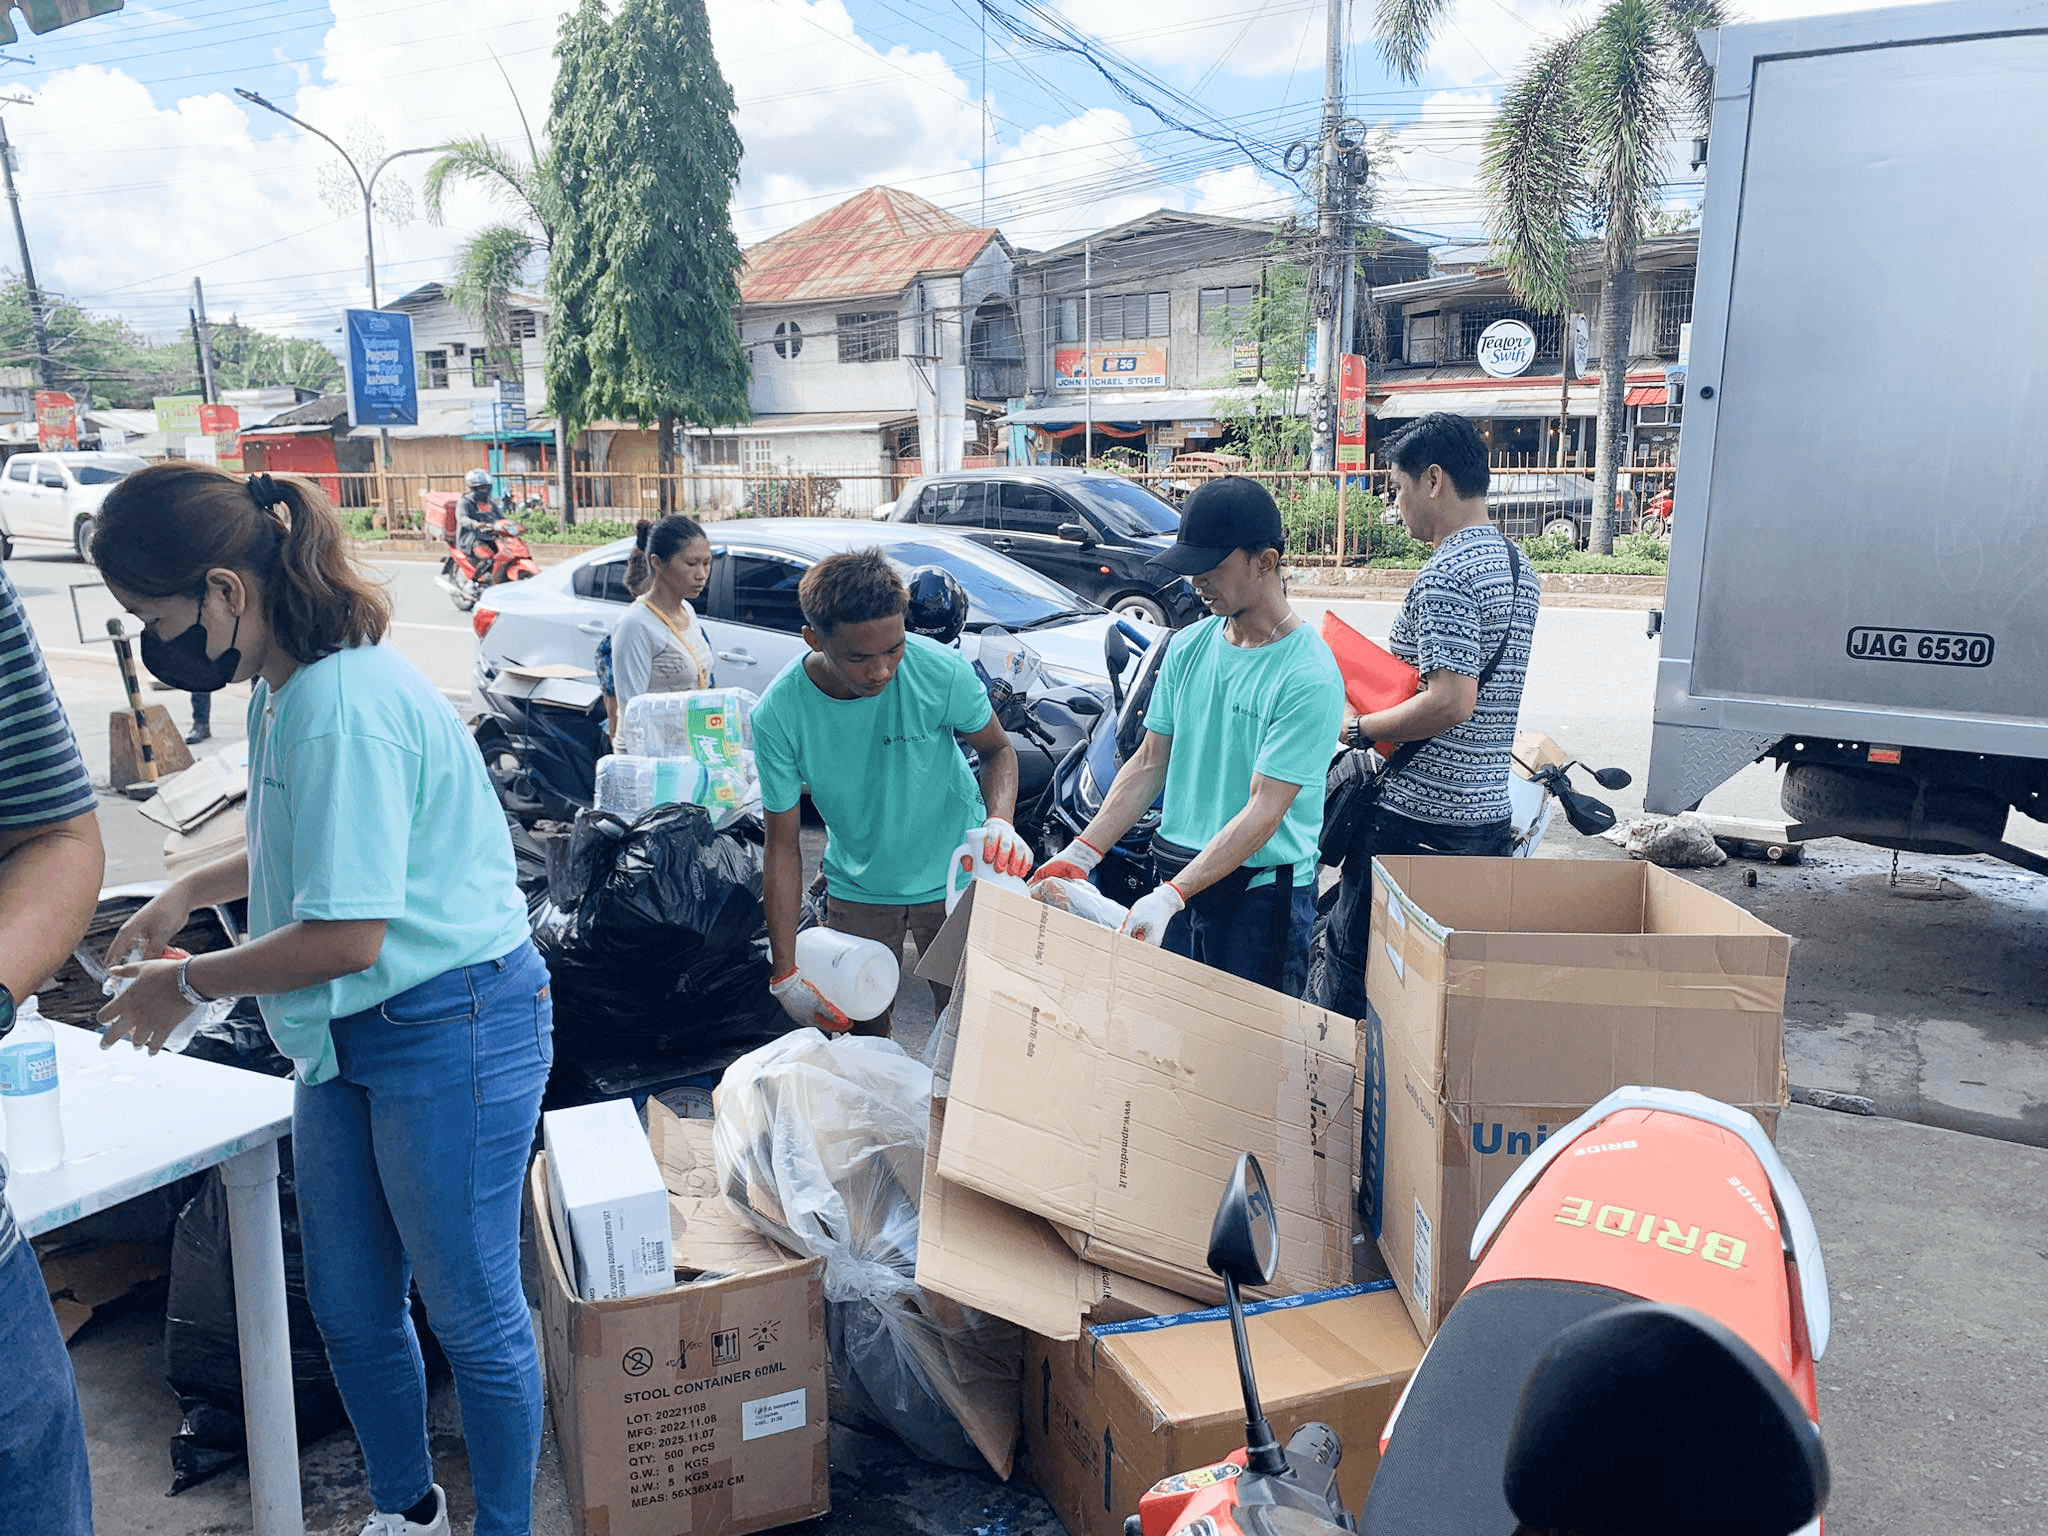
[(883, 338), (1132, 328), (1429, 339)]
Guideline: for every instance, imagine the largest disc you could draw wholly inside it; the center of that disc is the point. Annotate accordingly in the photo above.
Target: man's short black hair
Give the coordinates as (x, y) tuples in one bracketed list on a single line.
[(1451, 443), (852, 588)]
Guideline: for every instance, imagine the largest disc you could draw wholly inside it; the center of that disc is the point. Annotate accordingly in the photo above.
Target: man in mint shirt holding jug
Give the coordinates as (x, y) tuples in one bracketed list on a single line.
[(865, 721)]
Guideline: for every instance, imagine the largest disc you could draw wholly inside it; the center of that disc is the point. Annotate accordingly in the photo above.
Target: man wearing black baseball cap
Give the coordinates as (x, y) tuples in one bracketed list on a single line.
[(1239, 735)]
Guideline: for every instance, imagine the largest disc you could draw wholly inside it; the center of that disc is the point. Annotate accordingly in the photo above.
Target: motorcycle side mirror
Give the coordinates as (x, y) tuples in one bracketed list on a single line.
[(1244, 1240), (1116, 657), (1612, 778), (1244, 1249), (1077, 533)]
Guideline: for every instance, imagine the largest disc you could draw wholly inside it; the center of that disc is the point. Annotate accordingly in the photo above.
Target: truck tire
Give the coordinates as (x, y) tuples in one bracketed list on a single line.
[(1816, 792)]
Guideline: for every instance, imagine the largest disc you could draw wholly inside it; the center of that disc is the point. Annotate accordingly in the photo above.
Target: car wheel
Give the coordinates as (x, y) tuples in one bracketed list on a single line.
[(81, 539), (1562, 527), (1134, 606), (6, 547)]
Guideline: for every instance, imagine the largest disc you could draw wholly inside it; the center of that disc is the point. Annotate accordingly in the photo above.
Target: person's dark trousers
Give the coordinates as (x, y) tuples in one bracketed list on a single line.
[(202, 718), (1262, 935), (1336, 973)]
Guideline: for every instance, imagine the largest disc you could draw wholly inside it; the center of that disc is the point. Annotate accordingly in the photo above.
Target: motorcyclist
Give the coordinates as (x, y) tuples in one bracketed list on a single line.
[(476, 521)]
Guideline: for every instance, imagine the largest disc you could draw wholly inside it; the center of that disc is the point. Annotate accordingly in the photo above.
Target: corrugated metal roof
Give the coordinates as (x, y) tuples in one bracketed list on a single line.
[(878, 242)]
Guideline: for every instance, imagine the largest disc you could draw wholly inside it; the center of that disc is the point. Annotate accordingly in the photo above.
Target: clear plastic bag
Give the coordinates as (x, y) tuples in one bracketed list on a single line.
[(820, 1143), (712, 725), (1083, 900)]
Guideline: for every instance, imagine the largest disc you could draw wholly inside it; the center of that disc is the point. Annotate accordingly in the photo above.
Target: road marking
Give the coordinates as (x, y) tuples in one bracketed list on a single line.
[(445, 629)]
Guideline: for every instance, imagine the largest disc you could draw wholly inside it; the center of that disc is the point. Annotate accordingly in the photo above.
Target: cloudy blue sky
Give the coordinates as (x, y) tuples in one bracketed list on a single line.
[(140, 169)]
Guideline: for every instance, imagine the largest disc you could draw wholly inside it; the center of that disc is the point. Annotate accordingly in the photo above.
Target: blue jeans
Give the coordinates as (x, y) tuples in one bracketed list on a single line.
[(1262, 936), (410, 1164), (45, 1488)]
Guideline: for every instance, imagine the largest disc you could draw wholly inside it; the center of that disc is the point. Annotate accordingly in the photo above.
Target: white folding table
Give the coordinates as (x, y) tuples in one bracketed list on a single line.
[(133, 1123)]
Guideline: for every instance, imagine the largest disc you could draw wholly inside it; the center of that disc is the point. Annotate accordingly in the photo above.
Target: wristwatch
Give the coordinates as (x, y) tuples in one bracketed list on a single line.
[(6, 1011), (186, 990), (1358, 732)]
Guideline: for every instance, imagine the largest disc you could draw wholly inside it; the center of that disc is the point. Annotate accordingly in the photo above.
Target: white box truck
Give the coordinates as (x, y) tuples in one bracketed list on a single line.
[(1859, 559)]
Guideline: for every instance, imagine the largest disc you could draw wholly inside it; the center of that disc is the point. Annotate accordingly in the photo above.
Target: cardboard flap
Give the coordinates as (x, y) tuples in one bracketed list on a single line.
[(707, 1235), (1109, 1087)]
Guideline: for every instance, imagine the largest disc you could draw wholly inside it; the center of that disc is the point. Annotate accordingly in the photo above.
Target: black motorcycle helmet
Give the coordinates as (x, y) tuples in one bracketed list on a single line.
[(938, 604)]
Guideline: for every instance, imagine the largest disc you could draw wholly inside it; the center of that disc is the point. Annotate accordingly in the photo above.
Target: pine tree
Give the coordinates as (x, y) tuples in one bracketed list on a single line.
[(643, 279)]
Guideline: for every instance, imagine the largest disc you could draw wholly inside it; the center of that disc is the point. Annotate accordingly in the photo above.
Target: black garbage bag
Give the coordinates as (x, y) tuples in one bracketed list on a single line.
[(656, 942), (202, 1351)]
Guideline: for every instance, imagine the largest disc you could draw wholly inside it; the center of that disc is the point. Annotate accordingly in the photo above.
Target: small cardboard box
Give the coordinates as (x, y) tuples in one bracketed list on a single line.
[(1508, 996), (1108, 1087), (610, 1205), (1110, 1414), (701, 1410)]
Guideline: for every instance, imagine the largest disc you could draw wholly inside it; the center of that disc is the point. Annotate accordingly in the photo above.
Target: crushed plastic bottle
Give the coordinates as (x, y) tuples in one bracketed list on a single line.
[(200, 1016)]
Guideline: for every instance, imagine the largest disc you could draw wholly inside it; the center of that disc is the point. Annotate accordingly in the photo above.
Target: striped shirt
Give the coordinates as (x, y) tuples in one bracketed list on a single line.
[(42, 777), (1462, 601)]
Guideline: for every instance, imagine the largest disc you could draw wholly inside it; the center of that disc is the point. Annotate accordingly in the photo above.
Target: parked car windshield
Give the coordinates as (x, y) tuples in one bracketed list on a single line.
[(105, 471), (999, 591), (1128, 509)]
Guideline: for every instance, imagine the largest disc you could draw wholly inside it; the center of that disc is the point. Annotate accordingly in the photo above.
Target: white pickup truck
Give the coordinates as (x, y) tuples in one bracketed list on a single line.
[(54, 496)]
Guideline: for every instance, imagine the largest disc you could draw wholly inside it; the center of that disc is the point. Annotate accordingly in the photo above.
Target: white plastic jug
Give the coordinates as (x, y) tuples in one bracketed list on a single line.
[(857, 976), (968, 864)]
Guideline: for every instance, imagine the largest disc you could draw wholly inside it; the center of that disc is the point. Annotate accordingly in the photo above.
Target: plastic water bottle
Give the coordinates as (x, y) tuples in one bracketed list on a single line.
[(29, 1093), (968, 865), (190, 1025), (857, 976)]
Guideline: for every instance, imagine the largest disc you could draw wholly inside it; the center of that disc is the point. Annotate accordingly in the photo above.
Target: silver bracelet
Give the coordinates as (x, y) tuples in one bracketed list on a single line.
[(186, 990)]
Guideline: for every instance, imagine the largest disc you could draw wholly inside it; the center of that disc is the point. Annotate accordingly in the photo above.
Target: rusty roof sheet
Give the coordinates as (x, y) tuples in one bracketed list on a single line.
[(878, 242)]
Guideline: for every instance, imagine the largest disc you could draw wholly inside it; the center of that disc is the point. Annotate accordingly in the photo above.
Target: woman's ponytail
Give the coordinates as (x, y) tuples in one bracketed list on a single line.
[(639, 573), (324, 603)]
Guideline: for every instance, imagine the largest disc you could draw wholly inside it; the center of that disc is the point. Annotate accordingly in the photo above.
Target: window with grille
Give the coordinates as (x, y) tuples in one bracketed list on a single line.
[(789, 339), (434, 370), (525, 325), (1064, 319), (866, 338), (1130, 316), (1674, 308), (1472, 323), (1219, 310), (755, 453), (486, 367)]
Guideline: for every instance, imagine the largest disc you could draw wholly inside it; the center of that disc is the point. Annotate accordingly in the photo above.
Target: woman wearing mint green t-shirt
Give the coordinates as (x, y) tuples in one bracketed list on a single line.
[(389, 948)]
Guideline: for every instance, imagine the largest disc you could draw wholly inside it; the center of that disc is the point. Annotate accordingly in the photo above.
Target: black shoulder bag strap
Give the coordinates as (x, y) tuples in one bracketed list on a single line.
[(1404, 754)]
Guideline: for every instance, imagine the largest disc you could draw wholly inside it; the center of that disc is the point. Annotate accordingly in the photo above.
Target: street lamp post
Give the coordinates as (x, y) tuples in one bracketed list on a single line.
[(368, 186)]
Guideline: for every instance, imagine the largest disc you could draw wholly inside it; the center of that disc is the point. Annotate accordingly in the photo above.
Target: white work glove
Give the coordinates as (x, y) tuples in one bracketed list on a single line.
[(1152, 912), (1073, 862), (806, 1004), (1003, 849)]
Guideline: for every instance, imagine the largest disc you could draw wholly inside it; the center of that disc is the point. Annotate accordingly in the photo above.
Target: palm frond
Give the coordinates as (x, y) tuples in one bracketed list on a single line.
[(1624, 109), (1682, 21), (504, 176), (489, 269), (1405, 29), (1532, 172)]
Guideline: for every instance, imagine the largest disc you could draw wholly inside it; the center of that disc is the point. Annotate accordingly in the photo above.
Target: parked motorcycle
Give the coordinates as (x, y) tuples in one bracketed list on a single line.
[(464, 579), (541, 739), (1541, 782), (1659, 1382)]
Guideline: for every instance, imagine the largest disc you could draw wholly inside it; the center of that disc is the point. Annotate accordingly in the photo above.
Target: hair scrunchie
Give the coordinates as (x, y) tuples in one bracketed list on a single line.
[(264, 492)]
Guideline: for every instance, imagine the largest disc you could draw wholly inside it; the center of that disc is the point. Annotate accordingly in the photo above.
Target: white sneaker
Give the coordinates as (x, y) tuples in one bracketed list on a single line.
[(381, 1524)]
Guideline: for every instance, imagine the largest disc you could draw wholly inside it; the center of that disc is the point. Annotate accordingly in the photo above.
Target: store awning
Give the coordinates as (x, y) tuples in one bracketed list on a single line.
[(1482, 403), (1113, 405), (1644, 394)]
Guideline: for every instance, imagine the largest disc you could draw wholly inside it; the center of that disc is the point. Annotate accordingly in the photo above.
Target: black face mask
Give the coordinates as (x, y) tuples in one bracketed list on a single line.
[(182, 662)]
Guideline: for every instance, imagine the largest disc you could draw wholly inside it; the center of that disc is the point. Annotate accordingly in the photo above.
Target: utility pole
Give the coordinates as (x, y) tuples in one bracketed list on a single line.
[(28, 268), (1333, 251), (202, 338), (1088, 349)]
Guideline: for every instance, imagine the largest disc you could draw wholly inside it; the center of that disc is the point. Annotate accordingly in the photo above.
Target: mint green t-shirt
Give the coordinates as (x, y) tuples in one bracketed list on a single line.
[(367, 799), (1273, 710), (884, 773)]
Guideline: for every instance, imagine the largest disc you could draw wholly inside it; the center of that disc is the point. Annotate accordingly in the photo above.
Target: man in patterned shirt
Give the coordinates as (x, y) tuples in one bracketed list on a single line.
[(1451, 796), (51, 862)]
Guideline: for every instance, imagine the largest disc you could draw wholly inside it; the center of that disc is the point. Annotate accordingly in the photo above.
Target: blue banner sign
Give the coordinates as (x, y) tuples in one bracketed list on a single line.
[(383, 387)]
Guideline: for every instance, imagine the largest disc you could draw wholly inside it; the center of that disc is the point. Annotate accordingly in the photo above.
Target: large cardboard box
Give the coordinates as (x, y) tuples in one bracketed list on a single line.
[(700, 1410), (1510, 995), (1109, 1414), (1105, 1089)]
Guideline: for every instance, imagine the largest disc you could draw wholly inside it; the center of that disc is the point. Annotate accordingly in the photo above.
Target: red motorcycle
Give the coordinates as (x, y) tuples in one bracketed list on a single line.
[(465, 579), (1656, 518)]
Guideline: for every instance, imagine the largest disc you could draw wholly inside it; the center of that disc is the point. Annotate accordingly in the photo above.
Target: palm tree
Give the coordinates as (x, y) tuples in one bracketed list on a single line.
[(1579, 147), (494, 259)]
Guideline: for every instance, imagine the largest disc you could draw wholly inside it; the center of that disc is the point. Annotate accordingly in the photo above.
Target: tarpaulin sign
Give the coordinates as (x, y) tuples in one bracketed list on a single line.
[(56, 420), (1351, 412), (383, 387)]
